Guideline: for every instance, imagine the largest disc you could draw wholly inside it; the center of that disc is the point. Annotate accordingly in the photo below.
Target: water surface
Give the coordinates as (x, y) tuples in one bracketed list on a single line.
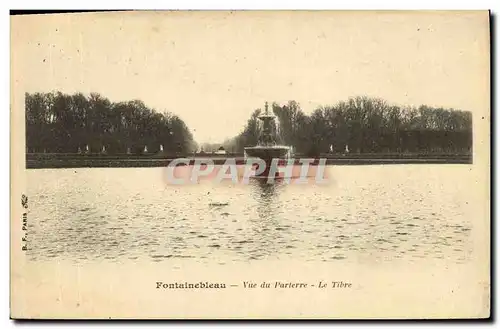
[(365, 214)]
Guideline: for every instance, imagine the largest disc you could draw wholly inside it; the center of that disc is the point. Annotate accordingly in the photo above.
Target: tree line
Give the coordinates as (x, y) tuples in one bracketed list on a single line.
[(60, 123), (364, 125)]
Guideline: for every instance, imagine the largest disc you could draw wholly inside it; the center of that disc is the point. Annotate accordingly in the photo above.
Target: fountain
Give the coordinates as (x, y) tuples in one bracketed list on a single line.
[(267, 148)]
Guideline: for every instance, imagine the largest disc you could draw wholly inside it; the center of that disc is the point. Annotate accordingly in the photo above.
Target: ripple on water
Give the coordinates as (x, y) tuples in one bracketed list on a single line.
[(243, 241), (160, 256)]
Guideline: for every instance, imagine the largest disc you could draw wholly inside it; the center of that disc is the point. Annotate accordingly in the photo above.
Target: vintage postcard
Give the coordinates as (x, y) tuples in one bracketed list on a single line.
[(250, 165)]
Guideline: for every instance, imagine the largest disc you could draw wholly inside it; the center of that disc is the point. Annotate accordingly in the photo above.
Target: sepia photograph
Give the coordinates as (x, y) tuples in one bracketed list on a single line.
[(250, 165)]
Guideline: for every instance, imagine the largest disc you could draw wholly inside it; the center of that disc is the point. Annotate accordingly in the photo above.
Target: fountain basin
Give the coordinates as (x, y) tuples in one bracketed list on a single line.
[(267, 153)]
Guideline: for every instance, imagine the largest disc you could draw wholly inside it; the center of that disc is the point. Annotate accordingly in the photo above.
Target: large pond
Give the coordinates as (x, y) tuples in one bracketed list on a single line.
[(364, 214)]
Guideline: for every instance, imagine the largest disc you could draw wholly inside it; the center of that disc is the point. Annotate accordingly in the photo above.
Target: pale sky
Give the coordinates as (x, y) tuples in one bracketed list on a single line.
[(214, 68)]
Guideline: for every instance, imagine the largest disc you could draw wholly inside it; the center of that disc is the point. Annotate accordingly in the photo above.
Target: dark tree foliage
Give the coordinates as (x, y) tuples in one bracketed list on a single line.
[(59, 123), (366, 125)]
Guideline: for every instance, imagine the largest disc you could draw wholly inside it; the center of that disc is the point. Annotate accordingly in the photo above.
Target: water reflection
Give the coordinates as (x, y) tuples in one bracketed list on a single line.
[(267, 230), (266, 194)]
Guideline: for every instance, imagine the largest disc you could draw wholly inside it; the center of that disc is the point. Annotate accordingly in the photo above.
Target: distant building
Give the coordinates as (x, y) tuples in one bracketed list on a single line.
[(221, 150)]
